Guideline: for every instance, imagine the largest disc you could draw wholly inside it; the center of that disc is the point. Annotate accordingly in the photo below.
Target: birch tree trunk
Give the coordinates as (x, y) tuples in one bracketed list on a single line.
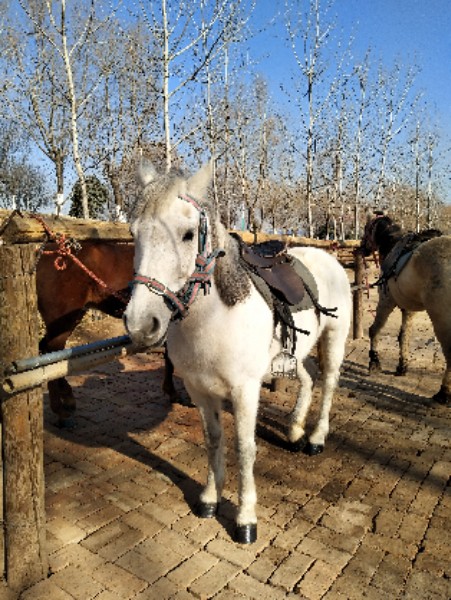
[(73, 111)]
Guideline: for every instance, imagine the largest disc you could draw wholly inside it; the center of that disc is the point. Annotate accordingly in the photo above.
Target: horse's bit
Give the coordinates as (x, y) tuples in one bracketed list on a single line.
[(179, 302)]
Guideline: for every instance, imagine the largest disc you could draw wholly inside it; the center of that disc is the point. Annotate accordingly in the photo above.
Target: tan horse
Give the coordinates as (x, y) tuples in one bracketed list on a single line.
[(424, 283)]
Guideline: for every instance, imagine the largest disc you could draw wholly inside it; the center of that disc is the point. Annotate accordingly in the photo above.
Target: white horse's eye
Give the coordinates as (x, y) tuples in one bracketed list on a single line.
[(188, 236)]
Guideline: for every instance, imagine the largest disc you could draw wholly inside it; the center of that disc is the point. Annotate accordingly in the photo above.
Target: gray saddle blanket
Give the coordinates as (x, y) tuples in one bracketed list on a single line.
[(395, 261), (303, 273)]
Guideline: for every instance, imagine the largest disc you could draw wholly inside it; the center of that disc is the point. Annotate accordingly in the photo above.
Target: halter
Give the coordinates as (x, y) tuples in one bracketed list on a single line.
[(368, 236), (179, 302)]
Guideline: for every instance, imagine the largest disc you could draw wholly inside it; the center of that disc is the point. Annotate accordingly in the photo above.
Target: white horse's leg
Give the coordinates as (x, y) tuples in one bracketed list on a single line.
[(245, 404), (332, 343), (296, 433), (211, 416), (385, 307), (403, 339)]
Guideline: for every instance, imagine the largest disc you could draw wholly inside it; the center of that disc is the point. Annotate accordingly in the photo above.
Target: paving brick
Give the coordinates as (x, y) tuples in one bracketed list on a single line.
[(388, 521), (74, 554), (291, 537), (426, 585), (391, 574), (214, 580), (150, 560), (105, 535), (160, 512), (316, 549), (235, 554), (335, 539), (77, 582), (44, 590), (291, 570), (267, 562), (252, 588), (392, 545), (318, 579), (314, 509), (120, 545), (413, 528), (364, 563), (349, 518), (100, 518), (107, 595), (192, 568), (118, 580), (66, 531), (175, 541)]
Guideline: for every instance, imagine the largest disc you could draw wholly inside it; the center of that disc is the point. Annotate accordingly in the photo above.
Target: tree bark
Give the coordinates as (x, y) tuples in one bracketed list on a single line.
[(25, 556)]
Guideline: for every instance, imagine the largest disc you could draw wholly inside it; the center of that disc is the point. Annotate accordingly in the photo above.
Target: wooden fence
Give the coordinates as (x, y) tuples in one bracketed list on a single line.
[(23, 554)]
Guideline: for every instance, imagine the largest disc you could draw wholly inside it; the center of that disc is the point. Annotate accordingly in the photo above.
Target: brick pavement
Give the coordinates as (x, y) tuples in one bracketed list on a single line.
[(368, 518)]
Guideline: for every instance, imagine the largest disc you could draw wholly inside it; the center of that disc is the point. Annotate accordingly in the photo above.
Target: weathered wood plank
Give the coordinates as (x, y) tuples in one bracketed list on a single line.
[(26, 228), (22, 425)]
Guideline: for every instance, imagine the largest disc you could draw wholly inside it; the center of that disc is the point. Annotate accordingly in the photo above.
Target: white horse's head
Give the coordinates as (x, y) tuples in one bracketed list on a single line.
[(169, 233)]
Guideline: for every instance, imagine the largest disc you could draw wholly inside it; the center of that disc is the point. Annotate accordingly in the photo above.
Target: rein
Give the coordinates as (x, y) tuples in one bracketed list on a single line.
[(201, 277)]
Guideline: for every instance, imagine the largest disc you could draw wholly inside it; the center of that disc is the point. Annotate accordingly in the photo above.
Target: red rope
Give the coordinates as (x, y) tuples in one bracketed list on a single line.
[(64, 252)]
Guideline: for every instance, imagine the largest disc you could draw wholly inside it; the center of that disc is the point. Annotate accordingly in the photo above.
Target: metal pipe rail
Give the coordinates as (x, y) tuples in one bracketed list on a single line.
[(52, 366), (26, 364)]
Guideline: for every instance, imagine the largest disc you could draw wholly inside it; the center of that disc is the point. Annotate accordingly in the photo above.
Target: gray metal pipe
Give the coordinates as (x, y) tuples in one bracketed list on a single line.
[(26, 364)]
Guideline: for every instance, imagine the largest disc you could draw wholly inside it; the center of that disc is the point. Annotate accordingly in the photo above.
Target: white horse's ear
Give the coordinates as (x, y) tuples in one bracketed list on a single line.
[(199, 182), (146, 171)]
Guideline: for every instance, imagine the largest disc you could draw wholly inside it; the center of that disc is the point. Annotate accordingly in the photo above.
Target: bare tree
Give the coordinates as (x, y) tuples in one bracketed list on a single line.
[(64, 39), (190, 35), (395, 105), (310, 34)]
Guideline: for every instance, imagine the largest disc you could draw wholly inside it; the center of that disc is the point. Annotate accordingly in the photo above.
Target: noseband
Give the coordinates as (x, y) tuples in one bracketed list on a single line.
[(179, 302)]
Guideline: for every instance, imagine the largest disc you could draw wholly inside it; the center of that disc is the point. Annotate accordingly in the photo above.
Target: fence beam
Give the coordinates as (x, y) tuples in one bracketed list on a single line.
[(23, 554)]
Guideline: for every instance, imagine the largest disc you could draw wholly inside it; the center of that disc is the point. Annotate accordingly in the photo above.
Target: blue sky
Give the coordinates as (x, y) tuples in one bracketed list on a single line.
[(416, 31), (411, 31)]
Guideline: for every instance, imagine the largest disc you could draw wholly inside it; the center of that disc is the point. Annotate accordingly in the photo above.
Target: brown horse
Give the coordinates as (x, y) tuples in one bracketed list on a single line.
[(97, 278), (423, 283)]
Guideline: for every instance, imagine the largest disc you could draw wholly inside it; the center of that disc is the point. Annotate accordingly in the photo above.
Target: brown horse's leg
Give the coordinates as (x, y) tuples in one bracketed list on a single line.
[(62, 401), (384, 309), (403, 339), (168, 381)]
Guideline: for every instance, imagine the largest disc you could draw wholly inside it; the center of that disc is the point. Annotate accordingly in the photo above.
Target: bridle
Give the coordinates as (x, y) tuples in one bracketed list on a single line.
[(368, 238), (179, 302)]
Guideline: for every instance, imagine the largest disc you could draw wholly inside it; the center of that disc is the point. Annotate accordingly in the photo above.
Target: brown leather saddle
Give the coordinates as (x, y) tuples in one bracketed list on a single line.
[(271, 262)]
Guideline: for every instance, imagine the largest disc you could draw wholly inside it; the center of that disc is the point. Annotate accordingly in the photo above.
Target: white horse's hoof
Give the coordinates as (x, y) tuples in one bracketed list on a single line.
[(299, 445), (314, 449), (206, 510), (442, 397), (246, 534)]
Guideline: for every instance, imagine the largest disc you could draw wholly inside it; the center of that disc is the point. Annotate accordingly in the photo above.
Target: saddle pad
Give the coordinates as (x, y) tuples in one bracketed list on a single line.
[(303, 273), (309, 281), (395, 261), (402, 261)]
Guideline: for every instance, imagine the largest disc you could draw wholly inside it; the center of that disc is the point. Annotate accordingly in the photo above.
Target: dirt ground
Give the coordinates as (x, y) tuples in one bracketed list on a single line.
[(368, 518)]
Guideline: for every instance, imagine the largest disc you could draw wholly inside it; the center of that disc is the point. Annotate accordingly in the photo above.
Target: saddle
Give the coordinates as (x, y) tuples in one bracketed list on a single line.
[(271, 262), (400, 254)]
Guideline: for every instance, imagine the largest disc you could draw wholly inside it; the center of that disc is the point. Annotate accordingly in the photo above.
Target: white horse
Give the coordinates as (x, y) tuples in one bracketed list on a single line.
[(222, 341)]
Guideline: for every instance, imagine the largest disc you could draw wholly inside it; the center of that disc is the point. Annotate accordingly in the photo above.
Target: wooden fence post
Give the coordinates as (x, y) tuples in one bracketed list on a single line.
[(23, 551), (359, 272)]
